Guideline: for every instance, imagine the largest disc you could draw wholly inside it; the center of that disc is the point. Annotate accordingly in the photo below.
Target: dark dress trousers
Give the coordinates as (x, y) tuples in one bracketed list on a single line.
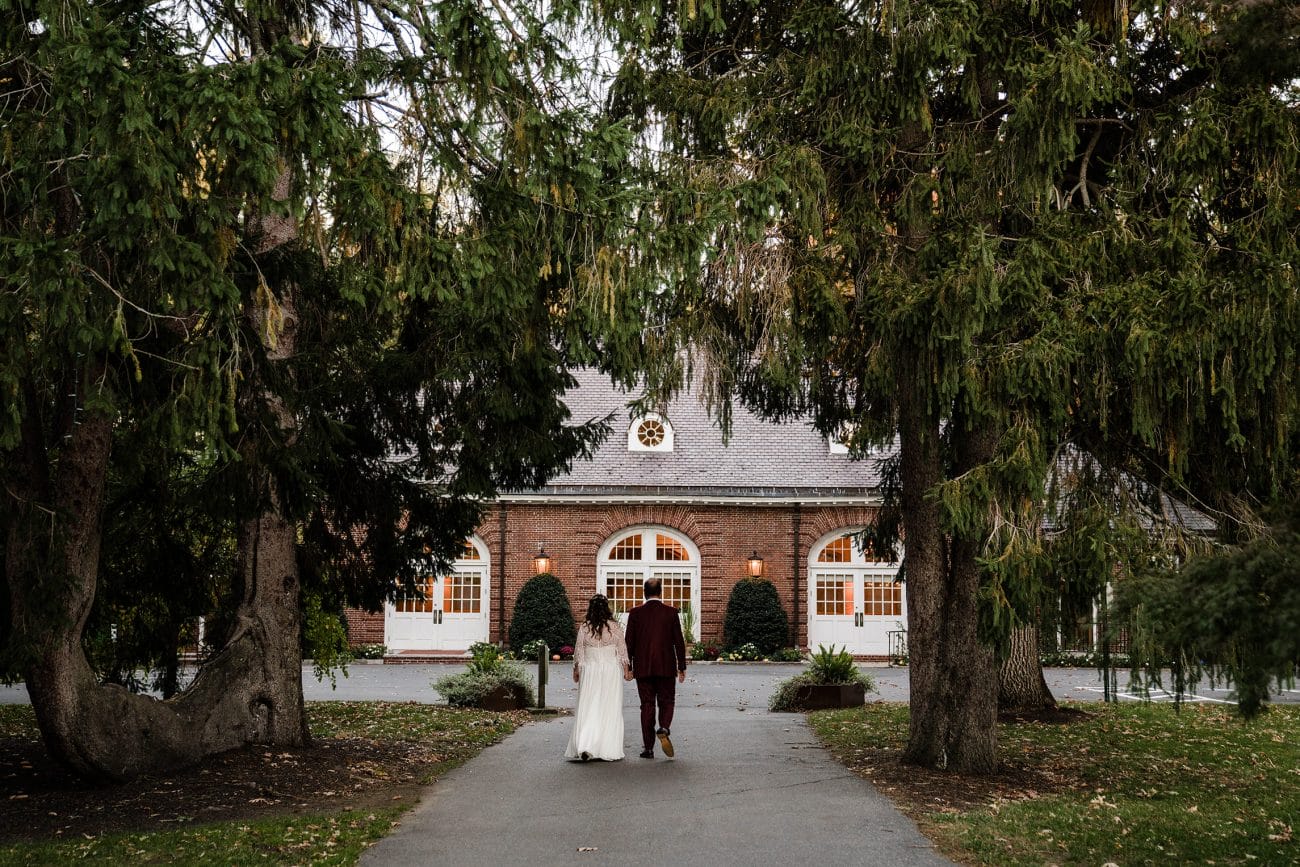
[(657, 651)]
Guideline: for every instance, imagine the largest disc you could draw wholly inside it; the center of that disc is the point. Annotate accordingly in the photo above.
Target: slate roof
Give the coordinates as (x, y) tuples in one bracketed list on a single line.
[(761, 459), (1155, 509)]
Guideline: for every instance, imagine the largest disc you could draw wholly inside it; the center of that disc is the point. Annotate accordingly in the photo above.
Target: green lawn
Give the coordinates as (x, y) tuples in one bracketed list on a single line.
[(452, 737), (333, 839), (1129, 784)]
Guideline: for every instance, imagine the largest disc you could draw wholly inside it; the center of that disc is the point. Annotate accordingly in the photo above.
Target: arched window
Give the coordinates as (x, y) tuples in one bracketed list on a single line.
[(631, 556)]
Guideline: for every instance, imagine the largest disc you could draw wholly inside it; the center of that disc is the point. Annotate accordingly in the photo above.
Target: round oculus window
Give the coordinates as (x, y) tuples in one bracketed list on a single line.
[(650, 433)]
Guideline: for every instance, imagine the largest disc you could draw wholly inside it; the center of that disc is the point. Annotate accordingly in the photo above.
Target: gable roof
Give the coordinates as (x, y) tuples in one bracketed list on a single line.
[(761, 461)]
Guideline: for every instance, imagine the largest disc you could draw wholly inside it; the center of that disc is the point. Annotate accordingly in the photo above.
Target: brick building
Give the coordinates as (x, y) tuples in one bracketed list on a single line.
[(663, 495)]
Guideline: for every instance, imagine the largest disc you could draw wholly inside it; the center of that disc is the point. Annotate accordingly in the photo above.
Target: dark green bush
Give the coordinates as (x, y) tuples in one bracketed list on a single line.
[(542, 611), (755, 616)]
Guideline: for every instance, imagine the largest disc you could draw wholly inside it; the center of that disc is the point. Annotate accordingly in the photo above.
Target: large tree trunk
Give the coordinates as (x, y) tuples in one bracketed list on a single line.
[(1021, 685), (251, 692), (953, 680)]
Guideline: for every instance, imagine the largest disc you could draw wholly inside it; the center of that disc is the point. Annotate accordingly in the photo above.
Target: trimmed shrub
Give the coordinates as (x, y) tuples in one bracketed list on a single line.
[(542, 612), (755, 616)]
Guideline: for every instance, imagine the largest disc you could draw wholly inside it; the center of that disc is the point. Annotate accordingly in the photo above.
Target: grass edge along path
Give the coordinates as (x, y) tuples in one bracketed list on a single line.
[(337, 838), (319, 836), (1122, 784)]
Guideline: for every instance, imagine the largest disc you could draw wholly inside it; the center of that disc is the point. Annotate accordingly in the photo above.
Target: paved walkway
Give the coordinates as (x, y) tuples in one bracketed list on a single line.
[(747, 787), (723, 685)]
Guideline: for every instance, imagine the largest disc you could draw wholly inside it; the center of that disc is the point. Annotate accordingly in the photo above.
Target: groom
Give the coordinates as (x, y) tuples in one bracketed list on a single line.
[(658, 653)]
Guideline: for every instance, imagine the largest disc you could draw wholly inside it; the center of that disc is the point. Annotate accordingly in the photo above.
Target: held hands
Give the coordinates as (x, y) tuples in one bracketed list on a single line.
[(627, 672), (681, 677)]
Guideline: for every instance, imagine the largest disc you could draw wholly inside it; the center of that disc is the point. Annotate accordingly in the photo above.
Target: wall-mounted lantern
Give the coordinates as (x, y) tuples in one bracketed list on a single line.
[(755, 565), (542, 562)]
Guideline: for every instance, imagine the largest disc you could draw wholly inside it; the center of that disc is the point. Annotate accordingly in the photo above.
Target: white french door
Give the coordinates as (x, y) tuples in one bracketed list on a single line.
[(855, 609), (449, 612), (854, 601), (628, 559), (833, 610), (463, 618)]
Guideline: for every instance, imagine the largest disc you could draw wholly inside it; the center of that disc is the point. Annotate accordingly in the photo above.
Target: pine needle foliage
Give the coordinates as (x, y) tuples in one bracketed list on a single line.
[(392, 222), (986, 229), (449, 198), (1234, 617)]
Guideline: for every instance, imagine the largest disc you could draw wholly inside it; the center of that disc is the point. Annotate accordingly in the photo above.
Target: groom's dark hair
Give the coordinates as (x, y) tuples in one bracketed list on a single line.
[(653, 588)]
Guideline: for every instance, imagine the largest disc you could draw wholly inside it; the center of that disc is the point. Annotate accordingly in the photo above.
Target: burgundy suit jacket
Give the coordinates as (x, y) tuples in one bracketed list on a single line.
[(654, 640)]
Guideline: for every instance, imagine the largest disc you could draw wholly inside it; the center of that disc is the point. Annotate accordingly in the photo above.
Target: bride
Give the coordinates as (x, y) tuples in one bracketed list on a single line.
[(600, 666)]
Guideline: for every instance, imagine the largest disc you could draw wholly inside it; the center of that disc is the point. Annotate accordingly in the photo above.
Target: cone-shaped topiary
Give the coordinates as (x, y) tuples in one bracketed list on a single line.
[(542, 611), (755, 616)]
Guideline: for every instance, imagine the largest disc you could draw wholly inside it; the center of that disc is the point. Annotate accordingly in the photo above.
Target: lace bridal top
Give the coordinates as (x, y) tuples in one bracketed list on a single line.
[(612, 637)]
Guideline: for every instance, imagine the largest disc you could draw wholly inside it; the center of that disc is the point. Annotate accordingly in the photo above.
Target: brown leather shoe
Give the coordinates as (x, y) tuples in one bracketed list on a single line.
[(664, 743)]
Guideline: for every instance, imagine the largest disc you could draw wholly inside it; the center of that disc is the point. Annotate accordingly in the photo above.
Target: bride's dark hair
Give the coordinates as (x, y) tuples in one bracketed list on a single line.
[(598, 614)]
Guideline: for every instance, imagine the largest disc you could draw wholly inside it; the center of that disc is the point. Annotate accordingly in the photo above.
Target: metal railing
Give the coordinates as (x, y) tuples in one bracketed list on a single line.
[(897, 646)]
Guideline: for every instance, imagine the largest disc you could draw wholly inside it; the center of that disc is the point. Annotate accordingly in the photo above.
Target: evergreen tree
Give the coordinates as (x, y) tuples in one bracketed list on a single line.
[(1233, 616), (339, 256), (985, 230)]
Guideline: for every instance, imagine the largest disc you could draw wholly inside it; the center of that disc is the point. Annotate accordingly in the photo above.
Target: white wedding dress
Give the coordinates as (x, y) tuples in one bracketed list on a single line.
[(598, 722)]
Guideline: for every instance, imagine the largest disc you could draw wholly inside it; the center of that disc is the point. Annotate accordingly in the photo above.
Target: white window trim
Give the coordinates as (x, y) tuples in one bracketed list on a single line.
[(860, 569), (634, 444), (648, 564), (428, 638), (839, 441), (859, 559)]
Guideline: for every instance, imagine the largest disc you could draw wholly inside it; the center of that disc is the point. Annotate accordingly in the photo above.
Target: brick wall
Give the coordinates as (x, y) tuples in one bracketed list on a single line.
[(364, 627), (574, 534)]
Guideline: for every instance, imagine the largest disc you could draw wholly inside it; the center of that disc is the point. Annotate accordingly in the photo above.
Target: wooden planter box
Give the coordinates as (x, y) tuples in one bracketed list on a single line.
[(827, 695), (503, 698)]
